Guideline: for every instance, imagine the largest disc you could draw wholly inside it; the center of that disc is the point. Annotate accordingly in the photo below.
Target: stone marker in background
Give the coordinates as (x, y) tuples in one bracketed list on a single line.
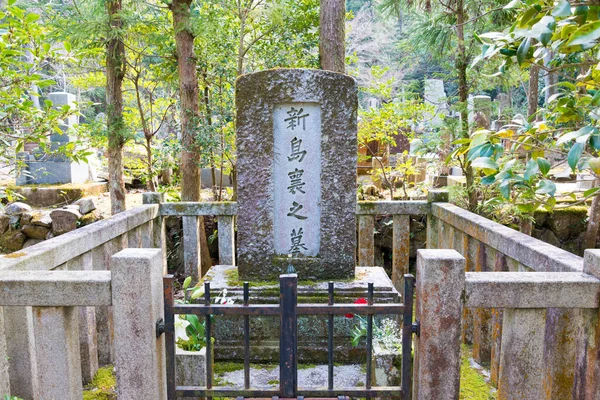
[(435, 95), (41, 168), (297, 150)]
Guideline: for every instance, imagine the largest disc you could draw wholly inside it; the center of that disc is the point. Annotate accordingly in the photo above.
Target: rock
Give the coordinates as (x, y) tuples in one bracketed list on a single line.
[(64, 220), (13, 240), (31, 242), (71, 207), (4, 220), (86, 205), (49, 236), (90, 218), (568, 222), (371, 190), (41, 218), (549, 237), (17, 208), (35, 231), (25, 218)]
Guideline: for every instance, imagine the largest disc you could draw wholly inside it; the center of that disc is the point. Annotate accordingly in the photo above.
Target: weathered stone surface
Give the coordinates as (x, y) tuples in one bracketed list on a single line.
[(55, 288), (41, 218), (531, 252), (190, 368), (31, 242), (17, 208), (25, 218), (568, 222), (12, 240), (152, 198), (334, 98), (35, 231), (439, 288), (56, 339), (587, 363), (90, 218), (522, 354), (64, 220), (139, 355), (86, 205), (4, 219)]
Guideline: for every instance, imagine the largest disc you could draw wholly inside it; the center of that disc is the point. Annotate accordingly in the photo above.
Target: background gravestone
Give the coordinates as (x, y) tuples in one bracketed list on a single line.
[(42, 168), (297, 151)]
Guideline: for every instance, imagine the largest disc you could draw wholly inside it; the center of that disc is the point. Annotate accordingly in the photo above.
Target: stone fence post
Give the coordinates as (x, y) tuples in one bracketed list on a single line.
[(434, 196), (137, 299), (440, 285), (159, 230), (587, 364)]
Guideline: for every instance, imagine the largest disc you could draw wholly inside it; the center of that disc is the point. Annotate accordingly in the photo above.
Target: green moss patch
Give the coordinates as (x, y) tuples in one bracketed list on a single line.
[(103, 385), (473, 385)]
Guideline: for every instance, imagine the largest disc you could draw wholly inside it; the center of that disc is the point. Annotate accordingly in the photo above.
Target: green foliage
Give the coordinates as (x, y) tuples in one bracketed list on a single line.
[(102, 386), (472, 384), (560, 39), (28, 61)]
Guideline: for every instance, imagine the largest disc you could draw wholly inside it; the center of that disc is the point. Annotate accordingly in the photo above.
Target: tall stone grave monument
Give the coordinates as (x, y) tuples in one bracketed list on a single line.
[(297, 151), (43, 168)]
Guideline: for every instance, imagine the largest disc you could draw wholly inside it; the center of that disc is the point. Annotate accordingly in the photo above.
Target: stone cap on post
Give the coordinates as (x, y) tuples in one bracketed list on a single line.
[(591, 262), (438, 196)]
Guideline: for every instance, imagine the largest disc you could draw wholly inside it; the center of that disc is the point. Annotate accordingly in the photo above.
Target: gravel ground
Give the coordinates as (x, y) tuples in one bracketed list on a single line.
[(312, 377)]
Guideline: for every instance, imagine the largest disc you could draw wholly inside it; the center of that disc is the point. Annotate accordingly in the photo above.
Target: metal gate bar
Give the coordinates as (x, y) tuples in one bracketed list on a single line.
[(288, 310)]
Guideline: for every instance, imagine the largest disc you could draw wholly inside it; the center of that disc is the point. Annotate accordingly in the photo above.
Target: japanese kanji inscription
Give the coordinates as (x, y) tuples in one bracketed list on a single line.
[(297, 178)]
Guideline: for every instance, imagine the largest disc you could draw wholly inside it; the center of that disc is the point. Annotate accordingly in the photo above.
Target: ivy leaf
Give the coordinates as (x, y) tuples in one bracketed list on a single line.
[(488, 180), (513, 4), (531, 169), (504, 188), (544, 165), (523, 50), (546, 187), (562, 9), (586, 130), (587, 34), (485, 163), (595, 141), (574, 155)]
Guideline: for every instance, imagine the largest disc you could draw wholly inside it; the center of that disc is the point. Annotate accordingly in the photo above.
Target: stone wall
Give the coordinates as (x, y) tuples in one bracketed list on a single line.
[(22, 227)]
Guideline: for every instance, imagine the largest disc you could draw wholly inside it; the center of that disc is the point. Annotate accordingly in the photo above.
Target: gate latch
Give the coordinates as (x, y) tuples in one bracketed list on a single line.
[(160, 327), (416, 328)]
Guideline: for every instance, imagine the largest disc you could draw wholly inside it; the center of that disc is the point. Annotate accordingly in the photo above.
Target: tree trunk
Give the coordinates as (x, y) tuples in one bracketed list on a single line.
[(533, 91), (115, 72), (332, 36), (150, 183), (188, 94), (591, 234), (463, 97)]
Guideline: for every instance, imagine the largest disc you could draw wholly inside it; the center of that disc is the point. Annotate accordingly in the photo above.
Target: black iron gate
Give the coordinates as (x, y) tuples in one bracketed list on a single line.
[(289, 310)]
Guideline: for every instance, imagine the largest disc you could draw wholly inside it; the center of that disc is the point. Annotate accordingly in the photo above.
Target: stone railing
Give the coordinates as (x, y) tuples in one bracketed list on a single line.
[(401, 211), (512, 257), (57, 305), (528, 367), (86, 249), (535, 309)]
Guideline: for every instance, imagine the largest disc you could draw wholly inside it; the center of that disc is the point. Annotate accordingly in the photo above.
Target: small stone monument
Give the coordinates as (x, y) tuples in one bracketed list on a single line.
[(297, 153), (435, 95), (41, 168)]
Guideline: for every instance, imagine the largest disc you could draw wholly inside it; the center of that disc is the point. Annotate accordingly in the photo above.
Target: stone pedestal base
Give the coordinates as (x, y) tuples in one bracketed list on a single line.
[(312, 330)]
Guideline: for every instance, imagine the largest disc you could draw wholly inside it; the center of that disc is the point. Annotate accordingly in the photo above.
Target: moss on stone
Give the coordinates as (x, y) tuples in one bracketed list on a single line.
[(102, 386), (224, 367), (472, 384)]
